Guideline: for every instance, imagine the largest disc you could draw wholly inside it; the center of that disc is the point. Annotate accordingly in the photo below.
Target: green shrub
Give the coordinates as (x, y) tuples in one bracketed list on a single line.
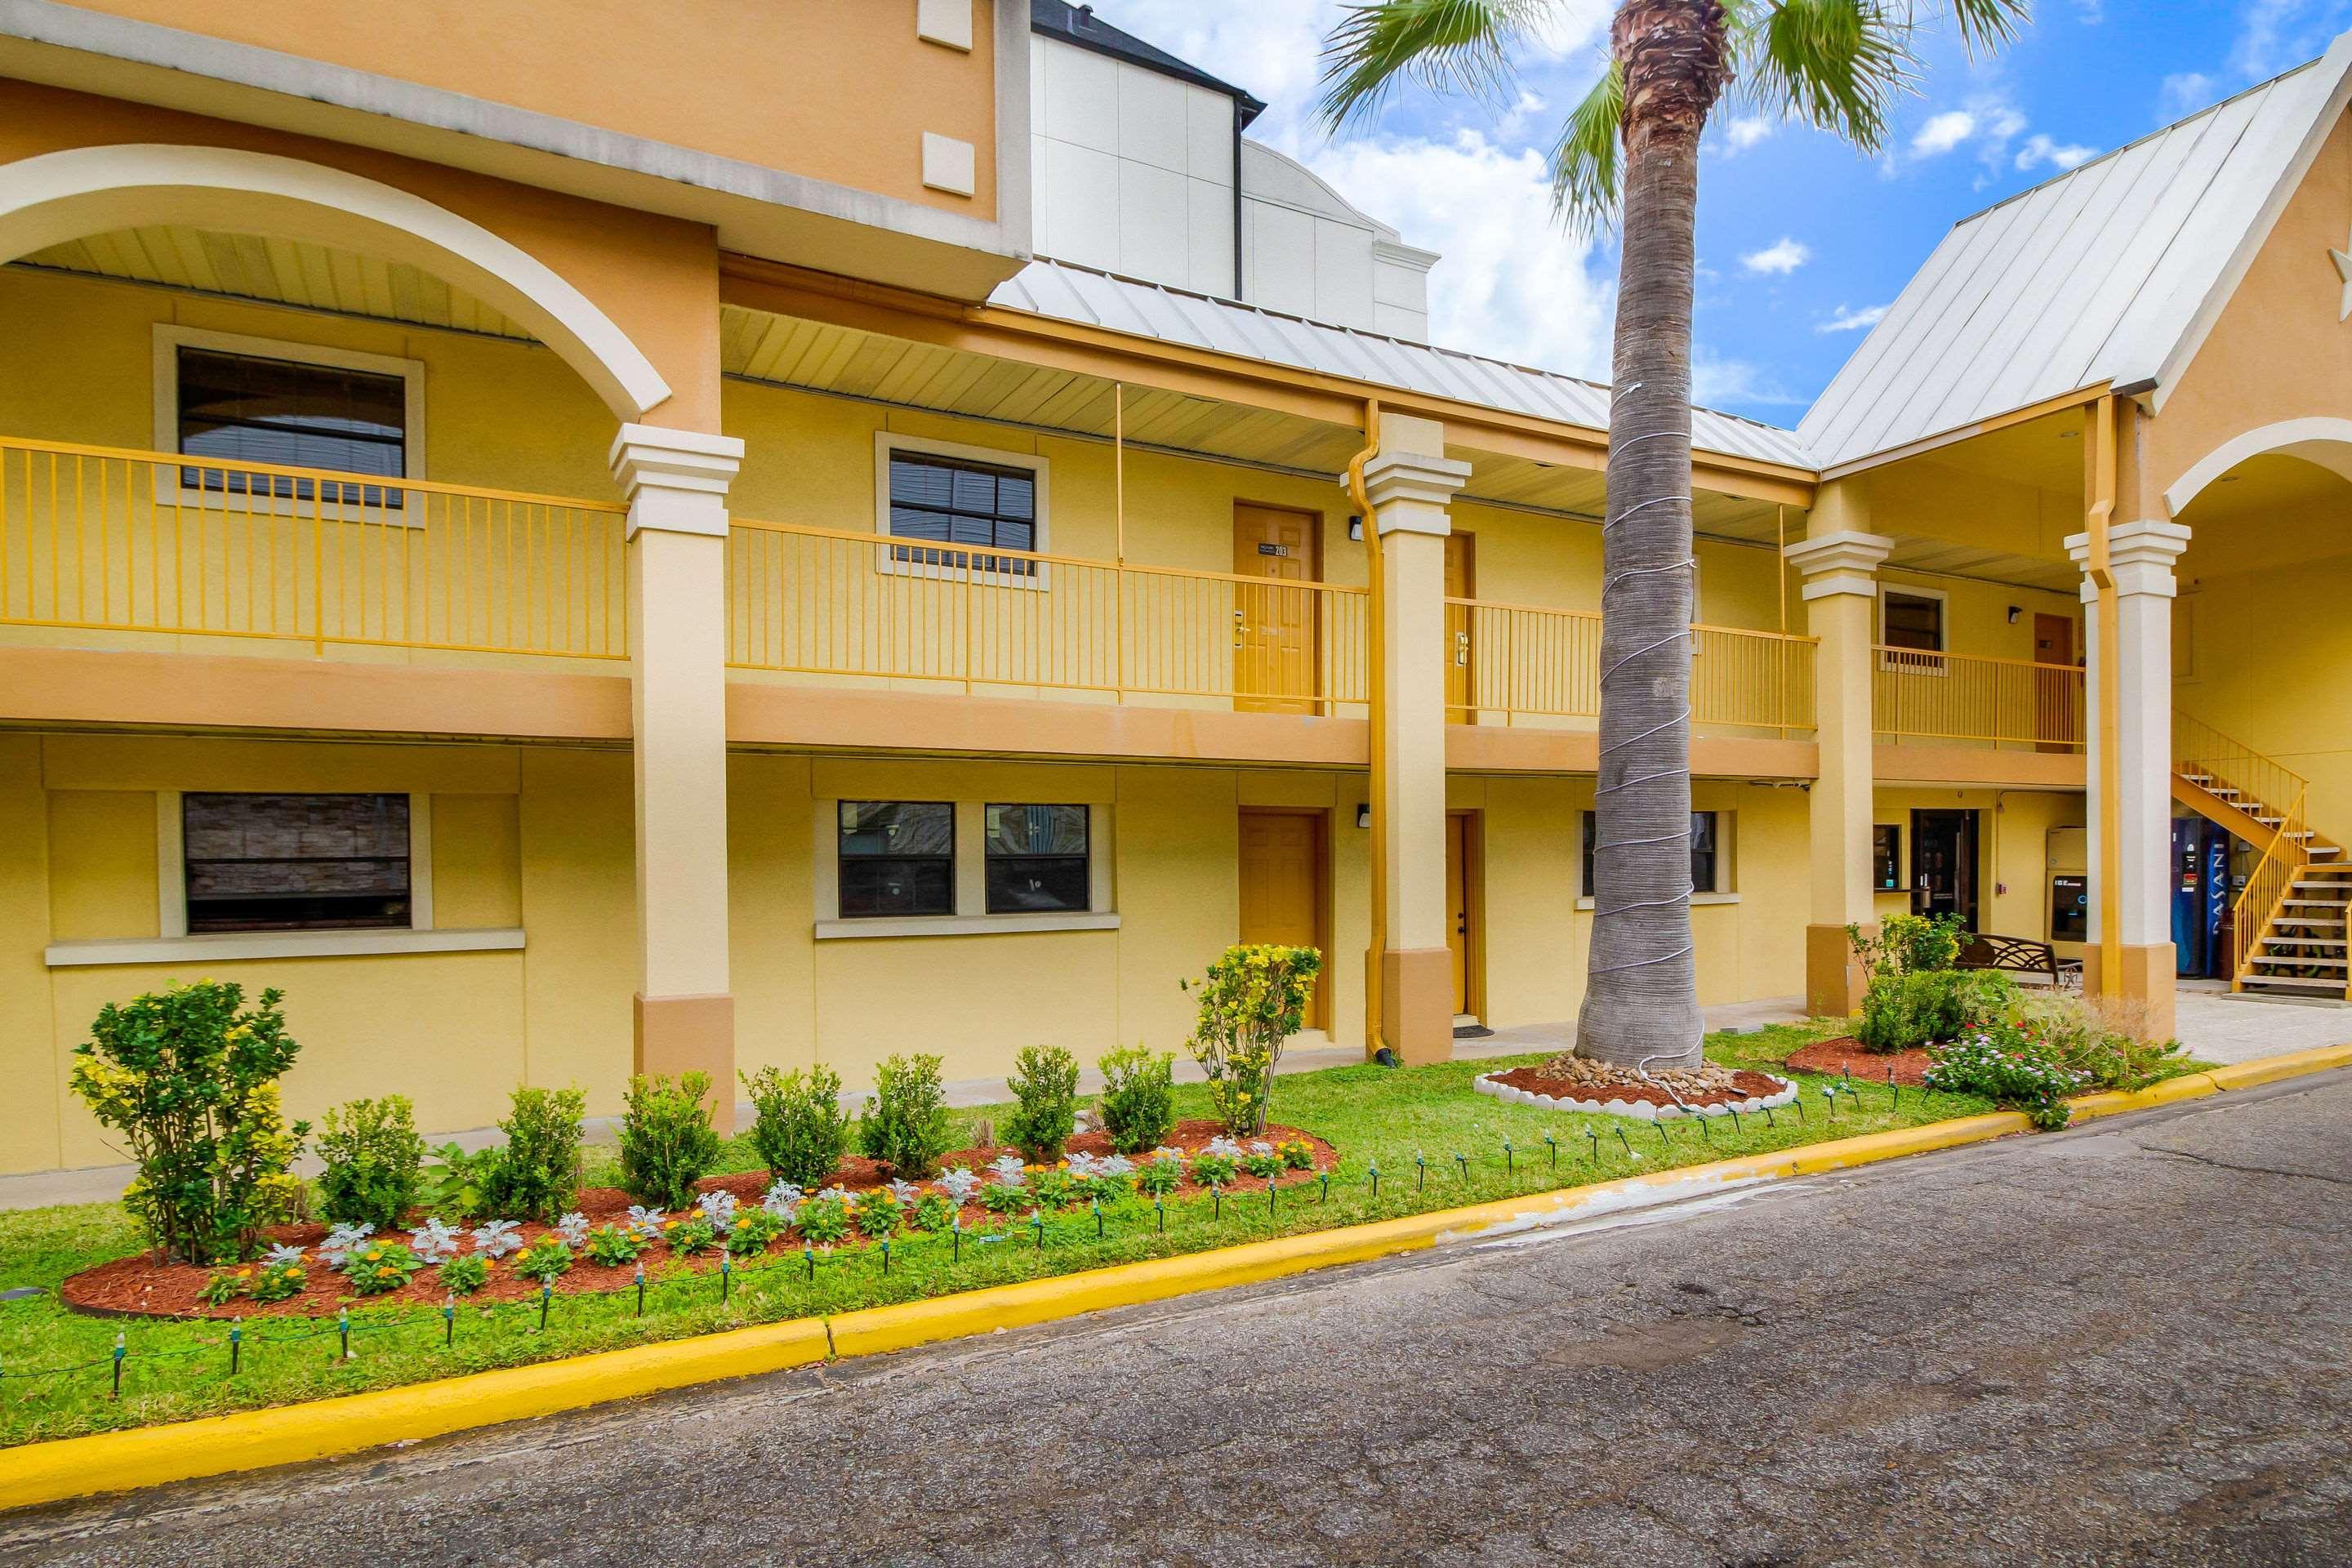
[(1158, 1178), (880, 1214), (1909, 944), (1044, 1084), (544, 1259), (690, 1235), (1216, 1169), (464, 1275), (2080, 1037), (933, 1212), (374, 1160), (189, 1077), (1138, 1097), (279, 1281), (1253, 999), (2011, 1068), (823, 1221), (459, 1187), (801, 1129), (1911, 1010), (222, 1286), (1002, 1200), (905, 1123), (666, 1140), (609, 1245), (537, 1174), (1053, 1189), (377, 1267), (752, 1230)]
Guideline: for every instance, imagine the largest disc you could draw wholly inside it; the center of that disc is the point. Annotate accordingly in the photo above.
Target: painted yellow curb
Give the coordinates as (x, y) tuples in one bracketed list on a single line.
[(217, 1445), (251, 1439), (2271, 1070)]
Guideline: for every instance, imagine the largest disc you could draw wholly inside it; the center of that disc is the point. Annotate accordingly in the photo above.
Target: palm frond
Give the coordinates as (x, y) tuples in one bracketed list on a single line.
[(1587, 160), (1836, 65), (1446, 45), (1986, 24)]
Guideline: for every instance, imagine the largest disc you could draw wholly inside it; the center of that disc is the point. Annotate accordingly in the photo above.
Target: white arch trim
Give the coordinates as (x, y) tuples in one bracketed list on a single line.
[(54, 197), (2324, 441)]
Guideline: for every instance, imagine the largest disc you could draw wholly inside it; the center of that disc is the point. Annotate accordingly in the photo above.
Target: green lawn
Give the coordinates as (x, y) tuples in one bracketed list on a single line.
[(55, 1371)]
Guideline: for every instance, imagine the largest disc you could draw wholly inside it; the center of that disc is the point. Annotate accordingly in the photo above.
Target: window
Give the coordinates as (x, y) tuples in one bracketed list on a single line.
[(1707, 844), (898, 858), (1037, 859), (1911, 620), (295, 862), (251, 408), (1886, 858), (959, 501)]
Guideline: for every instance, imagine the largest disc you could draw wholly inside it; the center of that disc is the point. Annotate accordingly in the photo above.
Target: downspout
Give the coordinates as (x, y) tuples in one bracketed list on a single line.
[(1376, 740), (1237, 205), (2109, 739)]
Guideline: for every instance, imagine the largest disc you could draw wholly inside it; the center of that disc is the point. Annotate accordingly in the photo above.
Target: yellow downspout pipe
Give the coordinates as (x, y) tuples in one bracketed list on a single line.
[(2103, 479), (1376, 747)]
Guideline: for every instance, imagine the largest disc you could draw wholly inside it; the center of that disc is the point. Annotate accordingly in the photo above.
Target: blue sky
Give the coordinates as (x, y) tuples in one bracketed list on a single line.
[(1800, 238)]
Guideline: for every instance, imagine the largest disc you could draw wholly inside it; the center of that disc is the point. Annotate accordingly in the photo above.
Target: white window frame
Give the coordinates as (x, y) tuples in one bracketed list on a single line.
[(1727, 856), (1917, 661), (888, 442), (170, 339), (972, 917)]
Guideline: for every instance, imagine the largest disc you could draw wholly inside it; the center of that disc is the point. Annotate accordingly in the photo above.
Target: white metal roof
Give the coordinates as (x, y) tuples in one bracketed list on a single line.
[(1175, 315), (2112, 272)]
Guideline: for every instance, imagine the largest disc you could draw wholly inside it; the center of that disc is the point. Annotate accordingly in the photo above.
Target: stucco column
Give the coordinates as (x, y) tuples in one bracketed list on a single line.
[(1841, 596), (2140, 557), (676, 483), (1410, 481)]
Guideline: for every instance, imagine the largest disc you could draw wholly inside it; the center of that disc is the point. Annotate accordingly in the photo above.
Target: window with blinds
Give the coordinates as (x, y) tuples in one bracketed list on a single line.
[(295, 862), (253, 409), (955, 502)]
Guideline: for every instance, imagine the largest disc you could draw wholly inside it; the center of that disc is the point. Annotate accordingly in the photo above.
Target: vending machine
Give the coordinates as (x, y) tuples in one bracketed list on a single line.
[(2069, 910), (2200, 898)]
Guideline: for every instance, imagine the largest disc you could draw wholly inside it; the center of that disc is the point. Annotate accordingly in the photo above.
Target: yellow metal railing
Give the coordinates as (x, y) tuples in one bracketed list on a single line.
[(834, 602), (1921, 695), (2268, 885), (97, 538), (2219, 762), (1512, 662)]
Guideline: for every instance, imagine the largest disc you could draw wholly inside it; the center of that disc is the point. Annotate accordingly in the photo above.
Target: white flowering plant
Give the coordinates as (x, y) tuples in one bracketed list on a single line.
[(435, 1241), (645, 1221), (718, 1207), (783, 1201), (342, 1240), (496, 1237), (958, 1185), (2009, 1067), (573, 1228)]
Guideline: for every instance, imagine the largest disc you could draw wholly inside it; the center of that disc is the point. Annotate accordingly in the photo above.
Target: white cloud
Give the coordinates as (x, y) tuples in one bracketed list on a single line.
[(1747, 131), (1846, 320), (1718, 382), (1782, 258), (2040, 150), (1514, 284), (2185, 92), (1943, 132), (1508, 129)]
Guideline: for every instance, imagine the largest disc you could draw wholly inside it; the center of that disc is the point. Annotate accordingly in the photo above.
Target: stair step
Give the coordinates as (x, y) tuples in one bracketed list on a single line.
[(2298, 960), (2303, 940), (2309, 923), (2298, 982)]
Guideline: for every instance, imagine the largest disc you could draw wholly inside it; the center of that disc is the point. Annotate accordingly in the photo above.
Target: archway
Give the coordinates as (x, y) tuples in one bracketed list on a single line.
[(58, 197)]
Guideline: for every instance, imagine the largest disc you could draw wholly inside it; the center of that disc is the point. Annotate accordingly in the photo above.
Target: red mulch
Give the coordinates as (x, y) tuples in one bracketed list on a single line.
[(1746, 1085), (1845, 1054), (138, 1285)]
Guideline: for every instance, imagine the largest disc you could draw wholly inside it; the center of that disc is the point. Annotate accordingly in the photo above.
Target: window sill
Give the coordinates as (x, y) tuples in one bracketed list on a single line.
[(1698, 901), (964, 925), (227, 945)]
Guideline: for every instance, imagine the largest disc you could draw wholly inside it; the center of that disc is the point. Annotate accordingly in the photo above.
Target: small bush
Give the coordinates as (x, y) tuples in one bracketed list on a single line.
[(2098, 1039), (544, 1259), (464, 1275), (2011, 1068), (609, 1245), (666, 1140), (1298, 1154), (1138, 1097), (934, 1212), (689, 1234), (1045, 1083), (279, 1281), (537, 1174), (1160, 1177), (1907, 1011), (1216, 1169), (1003, 1201), (222, 1286), (879, 1215), (189, 1077), (373, 1160), (823, 1221), (801, 1129), (1253, 999), (751, 1232), (905, 1123), (1053, 1189), (381, 1266), (1909, 944), (459, 1187)]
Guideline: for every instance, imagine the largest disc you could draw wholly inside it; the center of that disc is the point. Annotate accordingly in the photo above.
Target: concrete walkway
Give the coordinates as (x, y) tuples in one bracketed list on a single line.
[(2216, 1027)]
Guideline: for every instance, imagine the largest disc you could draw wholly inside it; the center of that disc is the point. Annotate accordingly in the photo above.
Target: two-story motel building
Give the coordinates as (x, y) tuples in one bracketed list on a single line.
[(566, 563)]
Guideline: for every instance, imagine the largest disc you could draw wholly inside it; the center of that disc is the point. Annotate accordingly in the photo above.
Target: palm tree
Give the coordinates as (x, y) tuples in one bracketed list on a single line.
[(1629, 151)]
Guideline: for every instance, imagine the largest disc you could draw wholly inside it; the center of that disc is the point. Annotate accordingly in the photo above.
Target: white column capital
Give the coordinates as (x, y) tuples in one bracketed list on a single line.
[(2141, 555), (674, 480), (1841, 563), (1409, 491)]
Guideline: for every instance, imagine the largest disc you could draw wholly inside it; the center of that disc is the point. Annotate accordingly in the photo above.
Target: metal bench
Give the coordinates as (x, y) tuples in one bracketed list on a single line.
[(2019, 955)]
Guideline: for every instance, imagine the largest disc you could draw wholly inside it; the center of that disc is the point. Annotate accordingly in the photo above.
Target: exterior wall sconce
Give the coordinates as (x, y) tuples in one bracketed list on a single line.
[(2013, 612), (1364, 815), (1356, 529)]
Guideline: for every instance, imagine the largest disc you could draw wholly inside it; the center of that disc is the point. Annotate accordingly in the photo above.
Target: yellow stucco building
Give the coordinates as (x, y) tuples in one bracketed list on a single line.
[(565, 571)]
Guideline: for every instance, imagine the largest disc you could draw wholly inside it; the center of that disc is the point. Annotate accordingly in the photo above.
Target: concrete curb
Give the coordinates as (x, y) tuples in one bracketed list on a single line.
[(218, 1445)]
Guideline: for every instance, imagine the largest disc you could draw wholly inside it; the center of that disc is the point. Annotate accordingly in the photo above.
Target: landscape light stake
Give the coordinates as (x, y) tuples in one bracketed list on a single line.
[(1098, 1230), (641, 1290), (1624, 1140), (1463, 1161), (343, 1322), (1326, 1186), (1661, 1125), (727, 1273), (546, 1296), (1593, 1142), (450, 1321), (1159, 1210), (1736, 1129), (1704, 1136), (1420, 1179), (955, 1247), (1376, 1181), (236, 1343), (1216, 1201), (1800, 1104), (1828, 1093), (1510, 1167), (808, 1254), (1768, 1117), (886, 1262), (119, 1354), (1552, 1144), (1037, 1224), (1893, 1095)]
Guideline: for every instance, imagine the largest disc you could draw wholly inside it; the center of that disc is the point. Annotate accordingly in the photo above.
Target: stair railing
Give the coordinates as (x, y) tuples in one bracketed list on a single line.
[(2260, 782), (2267, 888)]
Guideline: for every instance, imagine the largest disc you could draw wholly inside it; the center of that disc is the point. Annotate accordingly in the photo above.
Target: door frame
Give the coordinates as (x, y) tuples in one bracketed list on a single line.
[(1321, 706), (1318, 1004), (1967, 855), (1465, 632), (1473, 879)]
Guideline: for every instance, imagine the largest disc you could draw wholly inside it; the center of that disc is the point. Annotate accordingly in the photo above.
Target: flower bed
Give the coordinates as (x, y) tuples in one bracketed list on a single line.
[(1748, 1090), (1847, 1056), (140, 1286)]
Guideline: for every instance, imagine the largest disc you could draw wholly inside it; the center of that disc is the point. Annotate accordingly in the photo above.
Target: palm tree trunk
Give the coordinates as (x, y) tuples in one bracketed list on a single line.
[(1641, 999)]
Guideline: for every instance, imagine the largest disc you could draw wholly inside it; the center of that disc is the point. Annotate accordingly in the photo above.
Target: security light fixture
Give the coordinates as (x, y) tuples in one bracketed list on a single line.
[(1363, 816), (1356, 528), (2013, 612)]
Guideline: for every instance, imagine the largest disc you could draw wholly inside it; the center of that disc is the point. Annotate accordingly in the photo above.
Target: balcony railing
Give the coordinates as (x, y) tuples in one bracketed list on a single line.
[(1517, 663), (1919, 695), (826, 601), (99, 538)]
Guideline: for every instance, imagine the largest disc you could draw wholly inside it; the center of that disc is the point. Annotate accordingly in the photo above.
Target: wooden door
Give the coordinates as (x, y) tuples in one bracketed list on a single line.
[(1460, 911), (2057, 698), (1460, 584), (1282, 887), (1275, 641), (1944, 865)]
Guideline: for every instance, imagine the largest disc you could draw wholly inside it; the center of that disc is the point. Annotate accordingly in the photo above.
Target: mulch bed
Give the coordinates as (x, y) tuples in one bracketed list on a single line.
[(138, 1285), (1747, 1084), (1844, 1054)]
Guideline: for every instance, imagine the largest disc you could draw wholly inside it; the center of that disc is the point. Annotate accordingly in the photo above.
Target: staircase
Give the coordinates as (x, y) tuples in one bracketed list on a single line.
[(2289, 919)]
